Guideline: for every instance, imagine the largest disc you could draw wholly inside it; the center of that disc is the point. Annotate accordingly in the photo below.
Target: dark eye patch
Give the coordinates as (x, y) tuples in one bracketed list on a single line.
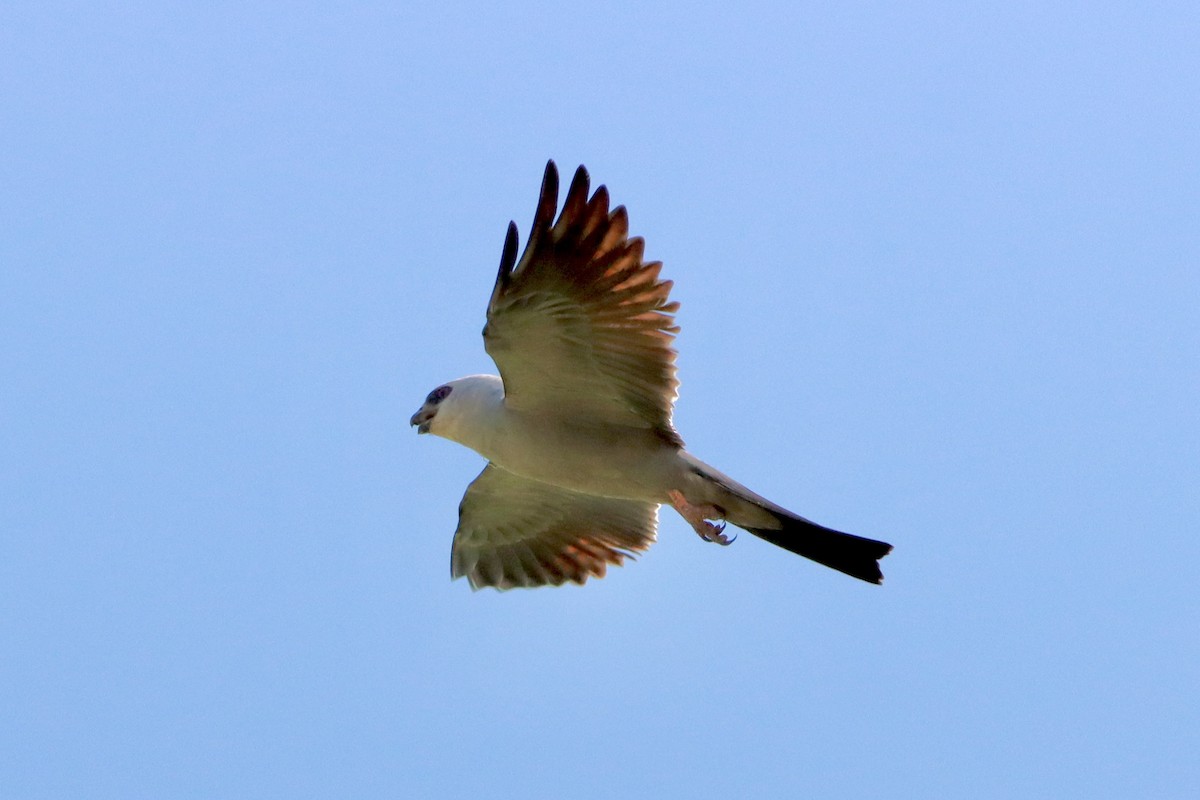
[(438, 395)]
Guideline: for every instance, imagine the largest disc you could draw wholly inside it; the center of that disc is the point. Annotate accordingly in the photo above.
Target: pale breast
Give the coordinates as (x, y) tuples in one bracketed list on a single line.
[(611, 461)]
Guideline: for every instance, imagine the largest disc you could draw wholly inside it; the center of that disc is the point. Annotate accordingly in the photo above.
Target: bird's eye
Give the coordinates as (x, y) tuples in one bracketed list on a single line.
[(438, 395)]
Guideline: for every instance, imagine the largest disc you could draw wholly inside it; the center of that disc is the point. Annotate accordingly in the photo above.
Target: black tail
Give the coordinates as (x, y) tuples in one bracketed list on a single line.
[(853, 555), (844, 552)]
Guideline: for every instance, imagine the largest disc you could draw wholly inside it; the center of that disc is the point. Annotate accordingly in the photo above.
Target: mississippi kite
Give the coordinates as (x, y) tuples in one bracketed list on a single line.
[(577, 427)]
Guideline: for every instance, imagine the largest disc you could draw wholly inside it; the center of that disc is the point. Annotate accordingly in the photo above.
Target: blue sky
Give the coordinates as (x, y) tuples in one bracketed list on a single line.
[(938, 266)]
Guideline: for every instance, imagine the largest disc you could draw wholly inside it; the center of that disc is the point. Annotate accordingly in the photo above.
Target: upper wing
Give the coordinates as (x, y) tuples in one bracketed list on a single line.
[(513, 531), (581, 323)]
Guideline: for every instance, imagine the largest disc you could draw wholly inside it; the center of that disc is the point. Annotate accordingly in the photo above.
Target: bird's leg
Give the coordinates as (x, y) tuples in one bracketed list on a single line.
[(698, 516)]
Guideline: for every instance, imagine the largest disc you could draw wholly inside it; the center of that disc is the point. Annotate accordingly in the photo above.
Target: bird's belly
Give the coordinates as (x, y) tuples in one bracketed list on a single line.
[(601, 460)]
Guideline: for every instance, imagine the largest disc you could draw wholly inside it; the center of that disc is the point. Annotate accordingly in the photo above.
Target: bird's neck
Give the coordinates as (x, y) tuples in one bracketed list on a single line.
[(479, 422)]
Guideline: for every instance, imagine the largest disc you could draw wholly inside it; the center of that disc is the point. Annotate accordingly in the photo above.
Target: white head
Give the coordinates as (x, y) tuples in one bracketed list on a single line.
[(456, 410)]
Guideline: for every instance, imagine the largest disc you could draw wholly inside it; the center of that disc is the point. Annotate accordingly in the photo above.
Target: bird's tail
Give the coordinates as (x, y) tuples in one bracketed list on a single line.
[(854, 555)]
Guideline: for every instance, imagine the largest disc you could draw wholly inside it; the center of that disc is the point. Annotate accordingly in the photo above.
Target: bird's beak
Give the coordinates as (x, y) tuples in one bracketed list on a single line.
[(421, 419)]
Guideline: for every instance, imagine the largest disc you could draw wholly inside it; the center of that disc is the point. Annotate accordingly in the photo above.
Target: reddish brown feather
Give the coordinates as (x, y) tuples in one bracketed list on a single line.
[(516, 532), (584, 269)]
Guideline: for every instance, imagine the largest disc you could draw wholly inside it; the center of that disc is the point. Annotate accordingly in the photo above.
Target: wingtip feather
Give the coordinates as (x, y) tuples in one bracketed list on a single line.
[(576, 201), (508, 257), (548, 200)]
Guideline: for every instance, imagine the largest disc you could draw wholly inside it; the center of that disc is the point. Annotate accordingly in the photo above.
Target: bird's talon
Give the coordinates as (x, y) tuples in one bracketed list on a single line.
[(698, 516), (716, 534)]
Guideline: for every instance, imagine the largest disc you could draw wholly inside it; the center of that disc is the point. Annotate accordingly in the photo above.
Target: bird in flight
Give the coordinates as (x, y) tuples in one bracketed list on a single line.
[(577, 427)]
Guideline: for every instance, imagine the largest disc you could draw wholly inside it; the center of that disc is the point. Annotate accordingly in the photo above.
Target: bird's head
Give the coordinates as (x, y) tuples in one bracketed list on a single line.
[(455, 405)]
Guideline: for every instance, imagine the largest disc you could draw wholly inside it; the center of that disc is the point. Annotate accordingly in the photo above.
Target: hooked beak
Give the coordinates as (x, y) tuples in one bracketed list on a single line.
[(421, 419)]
